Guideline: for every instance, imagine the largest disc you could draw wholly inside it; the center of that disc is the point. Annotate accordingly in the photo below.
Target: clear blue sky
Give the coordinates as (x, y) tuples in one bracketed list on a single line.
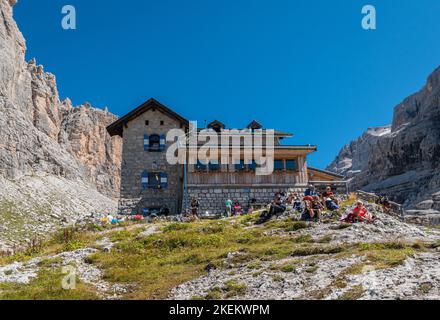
[(305, 66)]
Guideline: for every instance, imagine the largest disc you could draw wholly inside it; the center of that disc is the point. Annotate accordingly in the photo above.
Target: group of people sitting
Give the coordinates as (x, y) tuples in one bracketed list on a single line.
[(313, 204)]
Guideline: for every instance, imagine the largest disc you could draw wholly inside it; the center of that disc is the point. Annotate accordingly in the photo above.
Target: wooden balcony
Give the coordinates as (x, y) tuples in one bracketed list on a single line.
[(248, 178)]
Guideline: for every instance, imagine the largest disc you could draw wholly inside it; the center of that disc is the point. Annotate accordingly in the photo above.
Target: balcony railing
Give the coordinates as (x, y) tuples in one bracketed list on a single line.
[(243, 178)]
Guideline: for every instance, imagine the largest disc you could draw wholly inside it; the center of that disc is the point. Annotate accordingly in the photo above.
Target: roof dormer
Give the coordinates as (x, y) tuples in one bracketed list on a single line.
[(216, 126)]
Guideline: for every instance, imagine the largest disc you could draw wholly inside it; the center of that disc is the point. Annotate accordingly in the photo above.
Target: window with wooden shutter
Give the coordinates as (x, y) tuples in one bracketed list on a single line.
[(252, 166), (278, 165), (240, 166), (155, 143), (154, 180), (214, 165), (201, 166)]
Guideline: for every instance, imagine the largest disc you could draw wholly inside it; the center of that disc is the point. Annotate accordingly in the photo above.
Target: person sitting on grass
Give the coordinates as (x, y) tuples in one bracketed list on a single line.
[(310, 191), (385, 203), (297, 204), (317, 207), (277, 207), (359, 214), (331, 203), (310, 213), (237, 209), (328, 192)]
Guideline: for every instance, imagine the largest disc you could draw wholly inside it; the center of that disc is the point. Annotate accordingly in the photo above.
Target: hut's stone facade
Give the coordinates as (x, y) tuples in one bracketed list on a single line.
[(149, 183), (138, 160)]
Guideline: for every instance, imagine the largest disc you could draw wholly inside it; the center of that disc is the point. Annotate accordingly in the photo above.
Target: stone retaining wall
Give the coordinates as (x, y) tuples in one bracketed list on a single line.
[(213, 199)]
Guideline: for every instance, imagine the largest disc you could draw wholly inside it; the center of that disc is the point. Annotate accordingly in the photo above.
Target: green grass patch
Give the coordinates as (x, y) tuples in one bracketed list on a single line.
[(234, 288), (47, 286), (180, 254), (214, 294), (354, 293), (315, 250), (287, 225)]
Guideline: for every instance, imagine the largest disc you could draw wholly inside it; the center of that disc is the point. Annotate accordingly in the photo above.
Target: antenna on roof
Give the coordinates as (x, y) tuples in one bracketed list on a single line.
[(206, 123)]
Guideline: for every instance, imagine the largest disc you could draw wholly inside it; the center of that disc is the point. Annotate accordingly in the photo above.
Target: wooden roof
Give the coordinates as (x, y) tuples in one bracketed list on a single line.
[(116, 128), (254, 125), (325, 172)]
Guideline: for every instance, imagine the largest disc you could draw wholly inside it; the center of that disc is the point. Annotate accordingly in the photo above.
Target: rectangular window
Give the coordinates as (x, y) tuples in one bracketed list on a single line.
[(214, 166), (154, 143), (154, 180), (291, 165), (200, 166), (278, 165), (240, 166), (252, 166)]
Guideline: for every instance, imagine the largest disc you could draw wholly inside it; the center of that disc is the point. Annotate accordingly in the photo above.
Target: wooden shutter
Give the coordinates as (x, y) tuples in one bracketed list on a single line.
[(146, 142), (163, 142), (144, 180), (163, 180)]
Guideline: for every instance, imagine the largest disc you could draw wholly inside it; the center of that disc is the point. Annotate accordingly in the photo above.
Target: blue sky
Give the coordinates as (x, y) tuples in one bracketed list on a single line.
[(302, 66)]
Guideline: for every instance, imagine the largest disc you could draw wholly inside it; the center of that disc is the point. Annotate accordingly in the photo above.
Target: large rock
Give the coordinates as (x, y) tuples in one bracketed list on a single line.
[(49, 139), (403, 161)]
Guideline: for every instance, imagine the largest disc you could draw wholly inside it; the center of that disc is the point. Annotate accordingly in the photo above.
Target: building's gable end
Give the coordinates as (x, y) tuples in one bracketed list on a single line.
[(117, 127)]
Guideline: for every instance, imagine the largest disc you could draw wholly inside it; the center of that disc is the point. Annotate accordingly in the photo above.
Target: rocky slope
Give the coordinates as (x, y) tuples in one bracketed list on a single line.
[(403, 160), (235, 258), (47, 144)]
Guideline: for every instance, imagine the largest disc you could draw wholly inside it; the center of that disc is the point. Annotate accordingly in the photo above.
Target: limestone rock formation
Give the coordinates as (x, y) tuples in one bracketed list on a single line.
[(402, 161), (49, 141), (354, 157)]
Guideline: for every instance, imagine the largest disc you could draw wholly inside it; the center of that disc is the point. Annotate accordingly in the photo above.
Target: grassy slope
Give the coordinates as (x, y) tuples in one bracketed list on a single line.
[(180, 252)]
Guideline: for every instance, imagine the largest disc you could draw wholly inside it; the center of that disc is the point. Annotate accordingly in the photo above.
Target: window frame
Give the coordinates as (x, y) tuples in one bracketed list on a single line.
[(295, 165), (279, 168), (240, 167), (200, 167), (157, 176)]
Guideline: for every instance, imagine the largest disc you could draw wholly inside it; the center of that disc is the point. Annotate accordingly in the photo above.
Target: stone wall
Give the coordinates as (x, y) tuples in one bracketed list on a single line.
[(213, 198), (136, 160)]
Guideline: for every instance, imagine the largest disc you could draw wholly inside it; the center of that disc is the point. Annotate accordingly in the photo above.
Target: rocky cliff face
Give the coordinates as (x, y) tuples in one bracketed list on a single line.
[(354, 157), (402, 161), (48, 143)]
